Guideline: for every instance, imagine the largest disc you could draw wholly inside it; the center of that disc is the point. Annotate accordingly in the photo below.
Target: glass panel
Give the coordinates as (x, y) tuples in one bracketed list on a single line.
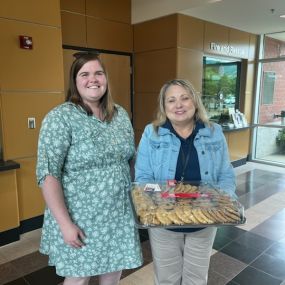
[(268, 87), (274, 45), (270, 144), (269, 135), (272, 93), (221, 86)]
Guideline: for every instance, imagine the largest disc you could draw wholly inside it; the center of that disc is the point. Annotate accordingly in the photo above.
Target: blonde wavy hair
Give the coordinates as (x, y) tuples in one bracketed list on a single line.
[(200, 113)]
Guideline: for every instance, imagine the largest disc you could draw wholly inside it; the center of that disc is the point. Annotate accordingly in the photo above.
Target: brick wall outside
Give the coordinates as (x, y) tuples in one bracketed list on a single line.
[(273, 48)]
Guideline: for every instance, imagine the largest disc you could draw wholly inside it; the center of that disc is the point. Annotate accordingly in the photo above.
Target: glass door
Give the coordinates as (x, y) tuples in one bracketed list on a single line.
[(269, 131)]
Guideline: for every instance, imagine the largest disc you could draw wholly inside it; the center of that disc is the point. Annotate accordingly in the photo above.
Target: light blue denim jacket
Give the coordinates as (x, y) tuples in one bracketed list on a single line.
[(158, 153)]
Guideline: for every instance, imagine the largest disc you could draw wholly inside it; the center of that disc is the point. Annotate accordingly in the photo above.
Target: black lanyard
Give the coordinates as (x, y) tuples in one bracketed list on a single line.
[(186, 160)]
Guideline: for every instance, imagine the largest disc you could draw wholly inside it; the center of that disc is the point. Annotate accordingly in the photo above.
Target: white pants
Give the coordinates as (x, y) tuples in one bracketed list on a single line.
[(181, 258)]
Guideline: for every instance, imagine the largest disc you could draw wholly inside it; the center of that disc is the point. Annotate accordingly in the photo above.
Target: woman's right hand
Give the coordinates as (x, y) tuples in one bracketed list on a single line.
[(54, 198), (72, 235)]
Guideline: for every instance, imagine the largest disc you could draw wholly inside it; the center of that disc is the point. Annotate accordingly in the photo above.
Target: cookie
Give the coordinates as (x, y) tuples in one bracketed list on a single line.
[(162, 216), (218, 216), (174, 218), (182, 215)]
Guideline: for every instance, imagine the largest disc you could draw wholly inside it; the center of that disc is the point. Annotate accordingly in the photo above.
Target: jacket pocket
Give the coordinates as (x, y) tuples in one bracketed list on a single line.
[(157, 146), (213, 147), (159, 151), (214, 154)]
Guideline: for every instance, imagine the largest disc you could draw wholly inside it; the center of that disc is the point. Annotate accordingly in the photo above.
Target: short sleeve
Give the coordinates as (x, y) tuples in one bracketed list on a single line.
[(53, 145)]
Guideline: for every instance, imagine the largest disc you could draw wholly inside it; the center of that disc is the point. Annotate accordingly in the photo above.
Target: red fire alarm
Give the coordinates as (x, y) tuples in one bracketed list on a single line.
[(26, 42)]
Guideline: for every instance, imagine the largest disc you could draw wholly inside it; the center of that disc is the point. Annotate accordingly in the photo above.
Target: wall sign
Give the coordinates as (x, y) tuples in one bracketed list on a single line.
[(227, 49)]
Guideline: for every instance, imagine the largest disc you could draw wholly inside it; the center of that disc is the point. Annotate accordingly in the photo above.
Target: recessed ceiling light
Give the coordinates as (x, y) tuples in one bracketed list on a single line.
[(282, 16)]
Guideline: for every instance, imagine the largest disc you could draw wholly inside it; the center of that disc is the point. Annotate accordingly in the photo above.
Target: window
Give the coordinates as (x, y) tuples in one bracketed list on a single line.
[(271, 99), (221, 86), (274, 45), (268, 140), (268, 87)]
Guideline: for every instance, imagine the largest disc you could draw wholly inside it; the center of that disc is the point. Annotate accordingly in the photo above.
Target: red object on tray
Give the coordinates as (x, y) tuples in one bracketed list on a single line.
[(183, 195)]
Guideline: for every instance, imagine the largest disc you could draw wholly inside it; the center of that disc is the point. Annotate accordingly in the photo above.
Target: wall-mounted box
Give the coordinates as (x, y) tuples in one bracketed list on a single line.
[(26, 42)]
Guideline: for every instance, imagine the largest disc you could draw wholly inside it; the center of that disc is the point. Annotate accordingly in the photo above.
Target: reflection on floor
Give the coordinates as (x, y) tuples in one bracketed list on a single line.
[(251, 254)]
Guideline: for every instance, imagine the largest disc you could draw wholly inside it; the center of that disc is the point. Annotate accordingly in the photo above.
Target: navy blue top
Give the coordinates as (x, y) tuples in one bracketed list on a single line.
[(192, 167), (187, 149)]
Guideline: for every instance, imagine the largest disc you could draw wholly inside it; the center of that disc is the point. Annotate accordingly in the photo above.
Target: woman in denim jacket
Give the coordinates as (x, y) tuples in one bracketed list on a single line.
[(182, 144)]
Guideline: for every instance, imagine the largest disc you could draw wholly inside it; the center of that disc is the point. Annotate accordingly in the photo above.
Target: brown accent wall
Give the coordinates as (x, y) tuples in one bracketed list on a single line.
[(119, 71), (15, 120), (9, 208), (145, 108), (190, 33), (29, 195), (77, 6), (240, 40), (73, 29), (215, 33), (108, 35), (152, 68), (32, 11), (189, 66), (36, 69), (156, 34), (104, 25), (188, 39), (31, 83), (239, 143), (117, 11)]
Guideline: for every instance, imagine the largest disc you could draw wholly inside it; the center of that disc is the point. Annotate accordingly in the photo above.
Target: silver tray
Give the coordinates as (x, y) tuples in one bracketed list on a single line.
[(187, 205)]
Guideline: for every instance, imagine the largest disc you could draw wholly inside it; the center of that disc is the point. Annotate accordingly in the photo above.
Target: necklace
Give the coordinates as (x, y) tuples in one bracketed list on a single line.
[(185, 160), (184, 133)]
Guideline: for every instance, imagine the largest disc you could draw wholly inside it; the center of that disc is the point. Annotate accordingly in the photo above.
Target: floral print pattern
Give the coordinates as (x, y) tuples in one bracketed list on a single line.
[(90, 159)]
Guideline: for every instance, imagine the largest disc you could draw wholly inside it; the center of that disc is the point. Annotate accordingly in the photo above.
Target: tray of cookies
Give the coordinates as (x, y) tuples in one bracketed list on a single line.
[(183, 205)]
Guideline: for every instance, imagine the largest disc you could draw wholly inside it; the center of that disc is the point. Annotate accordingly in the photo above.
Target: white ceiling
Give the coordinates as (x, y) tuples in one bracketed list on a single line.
[(253, 16)]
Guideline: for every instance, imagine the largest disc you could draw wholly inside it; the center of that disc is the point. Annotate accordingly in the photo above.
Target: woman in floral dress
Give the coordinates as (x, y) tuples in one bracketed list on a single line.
[(84, 149)]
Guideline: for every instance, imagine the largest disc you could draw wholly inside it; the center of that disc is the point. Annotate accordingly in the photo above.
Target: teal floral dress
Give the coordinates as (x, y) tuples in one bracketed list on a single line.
[(90, 159)]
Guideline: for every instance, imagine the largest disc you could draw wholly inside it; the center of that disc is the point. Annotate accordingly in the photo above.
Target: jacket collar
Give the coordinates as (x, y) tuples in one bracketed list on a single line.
[(200, 128)]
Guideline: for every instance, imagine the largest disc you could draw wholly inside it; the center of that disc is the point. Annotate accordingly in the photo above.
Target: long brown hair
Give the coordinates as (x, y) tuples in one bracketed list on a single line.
[(107, 104), (200, 113)]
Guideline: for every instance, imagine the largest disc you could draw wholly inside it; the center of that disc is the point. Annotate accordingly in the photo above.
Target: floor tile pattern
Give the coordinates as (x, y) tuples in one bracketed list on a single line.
[(250, 254)]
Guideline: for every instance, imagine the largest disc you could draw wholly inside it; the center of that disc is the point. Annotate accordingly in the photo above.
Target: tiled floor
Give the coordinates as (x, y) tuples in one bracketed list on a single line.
[(251, 254)]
